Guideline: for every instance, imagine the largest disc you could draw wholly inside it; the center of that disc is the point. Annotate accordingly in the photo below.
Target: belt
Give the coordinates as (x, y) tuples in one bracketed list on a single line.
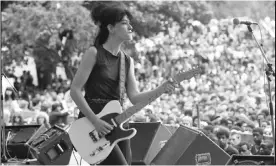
[(97, 101)]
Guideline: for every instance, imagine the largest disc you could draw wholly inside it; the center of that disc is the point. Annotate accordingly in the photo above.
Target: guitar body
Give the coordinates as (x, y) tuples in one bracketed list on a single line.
[(94, 149), (86, 140)]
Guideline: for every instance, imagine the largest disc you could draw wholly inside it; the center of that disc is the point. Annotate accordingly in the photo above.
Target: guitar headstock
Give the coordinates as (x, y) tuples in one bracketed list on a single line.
[(186, 75)]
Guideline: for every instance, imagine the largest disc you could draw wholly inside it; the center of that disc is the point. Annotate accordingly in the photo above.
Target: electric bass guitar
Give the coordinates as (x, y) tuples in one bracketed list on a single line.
[(93, 148)]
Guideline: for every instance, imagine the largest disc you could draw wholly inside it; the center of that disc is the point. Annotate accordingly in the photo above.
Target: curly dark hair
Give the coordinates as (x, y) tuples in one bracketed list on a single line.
[(243, 143), (223, 131), (105, 13), (13, 95)]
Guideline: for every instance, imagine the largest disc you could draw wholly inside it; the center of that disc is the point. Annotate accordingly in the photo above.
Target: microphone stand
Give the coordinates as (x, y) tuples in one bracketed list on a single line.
[(269, 72), (4, 158), (3, 145)]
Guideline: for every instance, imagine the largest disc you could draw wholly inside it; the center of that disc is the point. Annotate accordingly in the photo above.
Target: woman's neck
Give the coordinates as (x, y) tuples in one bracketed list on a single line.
[(113, 46)]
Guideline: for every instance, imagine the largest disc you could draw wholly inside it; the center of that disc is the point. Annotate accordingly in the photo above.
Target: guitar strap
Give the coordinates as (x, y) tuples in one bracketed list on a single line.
[(122, 77)]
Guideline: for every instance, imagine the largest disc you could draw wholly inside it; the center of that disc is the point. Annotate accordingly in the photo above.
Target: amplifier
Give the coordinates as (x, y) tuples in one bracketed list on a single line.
[(16, 138), (52, 147)]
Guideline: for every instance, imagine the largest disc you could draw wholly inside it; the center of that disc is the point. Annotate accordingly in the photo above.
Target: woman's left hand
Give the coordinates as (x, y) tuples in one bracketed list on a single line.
[(170, 86)]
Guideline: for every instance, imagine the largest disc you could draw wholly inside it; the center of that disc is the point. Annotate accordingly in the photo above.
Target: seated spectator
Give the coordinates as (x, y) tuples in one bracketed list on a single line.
[(242, 110), (42, 118), (235, 139), (230, 122), (209, 129), (244, 126), (187, 121), (231, 112), (266, 147), (11, 101), (148, 111), (57, 116), (224, 122), (223, 139), (244, 148), (264, 124), (258, 139), (188, 113), (17, 120), (248, 129)]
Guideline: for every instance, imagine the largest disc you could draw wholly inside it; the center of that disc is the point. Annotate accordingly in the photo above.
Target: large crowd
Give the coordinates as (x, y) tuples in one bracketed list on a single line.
[(228, 99)]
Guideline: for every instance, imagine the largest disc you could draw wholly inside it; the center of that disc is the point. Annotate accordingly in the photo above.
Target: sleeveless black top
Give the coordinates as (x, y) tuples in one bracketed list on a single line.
[(103, 81)]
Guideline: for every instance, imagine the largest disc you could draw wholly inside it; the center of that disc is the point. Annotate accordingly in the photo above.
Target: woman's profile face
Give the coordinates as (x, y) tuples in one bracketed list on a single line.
[(122, 29)]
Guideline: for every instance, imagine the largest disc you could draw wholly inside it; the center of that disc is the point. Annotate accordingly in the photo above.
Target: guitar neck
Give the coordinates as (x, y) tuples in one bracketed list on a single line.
[(136, 108)]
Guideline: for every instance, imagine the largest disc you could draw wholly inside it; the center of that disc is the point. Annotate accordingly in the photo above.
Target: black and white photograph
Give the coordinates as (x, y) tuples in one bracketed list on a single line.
[(145, 82)]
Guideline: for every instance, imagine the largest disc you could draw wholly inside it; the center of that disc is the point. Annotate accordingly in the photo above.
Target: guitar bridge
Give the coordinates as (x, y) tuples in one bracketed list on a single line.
[(95, 136), (99, 149)]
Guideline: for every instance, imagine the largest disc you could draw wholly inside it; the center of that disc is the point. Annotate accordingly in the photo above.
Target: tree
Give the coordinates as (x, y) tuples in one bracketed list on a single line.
[(37, 25)]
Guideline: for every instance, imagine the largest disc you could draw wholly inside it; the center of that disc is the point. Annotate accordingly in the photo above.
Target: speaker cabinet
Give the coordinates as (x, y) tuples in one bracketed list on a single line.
[(251, 160), (148, 141), (16, 137), (52, 147), (190, 147)]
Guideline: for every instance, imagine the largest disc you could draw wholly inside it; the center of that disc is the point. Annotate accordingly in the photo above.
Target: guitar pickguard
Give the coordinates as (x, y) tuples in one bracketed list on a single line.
[(117, 132)]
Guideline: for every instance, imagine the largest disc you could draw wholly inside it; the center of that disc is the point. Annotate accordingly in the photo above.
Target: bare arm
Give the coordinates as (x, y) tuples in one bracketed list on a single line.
[(132, 88), (87, 63)]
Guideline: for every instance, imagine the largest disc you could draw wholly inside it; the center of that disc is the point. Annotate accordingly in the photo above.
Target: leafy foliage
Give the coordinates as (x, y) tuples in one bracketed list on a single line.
[(37, 25)]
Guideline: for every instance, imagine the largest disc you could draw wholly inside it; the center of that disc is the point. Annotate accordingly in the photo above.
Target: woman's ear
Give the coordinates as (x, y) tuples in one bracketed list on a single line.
[(110, 28)]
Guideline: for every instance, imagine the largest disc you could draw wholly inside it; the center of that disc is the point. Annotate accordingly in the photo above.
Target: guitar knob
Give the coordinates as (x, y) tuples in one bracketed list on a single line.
[(92, 154)]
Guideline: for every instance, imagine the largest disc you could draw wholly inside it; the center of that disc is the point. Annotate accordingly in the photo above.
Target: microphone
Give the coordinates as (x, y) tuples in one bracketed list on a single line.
[(237, 22)]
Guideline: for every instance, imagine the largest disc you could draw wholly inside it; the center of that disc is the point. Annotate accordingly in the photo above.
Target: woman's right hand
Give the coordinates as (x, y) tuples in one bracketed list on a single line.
[(103, 128)]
